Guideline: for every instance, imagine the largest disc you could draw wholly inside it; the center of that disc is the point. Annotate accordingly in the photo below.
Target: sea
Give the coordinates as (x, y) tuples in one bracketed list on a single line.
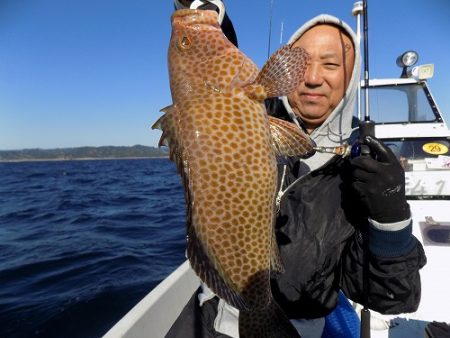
[(81, 242)]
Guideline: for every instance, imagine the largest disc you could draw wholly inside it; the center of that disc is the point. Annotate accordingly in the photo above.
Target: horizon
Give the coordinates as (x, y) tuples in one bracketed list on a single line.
[(56, 148), (95, 72)]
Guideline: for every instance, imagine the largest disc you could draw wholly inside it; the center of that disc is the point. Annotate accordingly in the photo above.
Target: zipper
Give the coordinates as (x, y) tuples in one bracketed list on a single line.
[(282, 192)]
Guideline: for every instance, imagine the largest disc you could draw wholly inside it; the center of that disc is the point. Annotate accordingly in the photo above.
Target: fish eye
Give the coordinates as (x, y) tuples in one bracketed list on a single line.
[(184, 42)]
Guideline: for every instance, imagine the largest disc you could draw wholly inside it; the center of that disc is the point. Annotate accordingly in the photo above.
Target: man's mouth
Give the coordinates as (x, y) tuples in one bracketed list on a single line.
[(311, 96)]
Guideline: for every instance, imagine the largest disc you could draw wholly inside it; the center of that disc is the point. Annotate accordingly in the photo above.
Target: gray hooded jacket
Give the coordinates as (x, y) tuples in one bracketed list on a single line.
[(337, 128), (319, 220)]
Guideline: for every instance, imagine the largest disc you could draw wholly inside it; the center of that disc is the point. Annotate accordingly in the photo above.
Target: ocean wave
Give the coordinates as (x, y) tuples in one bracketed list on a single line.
[(83, 241)]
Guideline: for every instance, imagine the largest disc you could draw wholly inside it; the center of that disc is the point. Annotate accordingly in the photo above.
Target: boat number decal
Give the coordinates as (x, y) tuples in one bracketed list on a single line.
[(435, 148), (426, 183), (420, 188)]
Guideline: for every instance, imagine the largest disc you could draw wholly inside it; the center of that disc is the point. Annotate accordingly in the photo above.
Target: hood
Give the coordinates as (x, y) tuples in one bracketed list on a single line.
[(337, 128)]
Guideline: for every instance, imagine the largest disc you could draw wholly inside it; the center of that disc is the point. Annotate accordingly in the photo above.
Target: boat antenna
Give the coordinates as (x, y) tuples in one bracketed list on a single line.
[(270, 27), (281, 32), (357, 11)]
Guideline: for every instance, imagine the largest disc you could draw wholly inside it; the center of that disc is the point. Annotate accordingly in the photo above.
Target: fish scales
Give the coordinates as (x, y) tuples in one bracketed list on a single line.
[(219, 135), (232, 170)]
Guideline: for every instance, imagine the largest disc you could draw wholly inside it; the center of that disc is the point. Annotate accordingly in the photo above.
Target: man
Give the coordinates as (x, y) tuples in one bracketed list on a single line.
[(326, 202)]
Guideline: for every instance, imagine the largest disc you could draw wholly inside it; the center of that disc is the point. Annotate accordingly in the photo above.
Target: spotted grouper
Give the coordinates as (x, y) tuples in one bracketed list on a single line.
[(225, 147)]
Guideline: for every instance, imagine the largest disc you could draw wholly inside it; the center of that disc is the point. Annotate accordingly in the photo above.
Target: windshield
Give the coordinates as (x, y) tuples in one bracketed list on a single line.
[(399, 103), (427, 166)]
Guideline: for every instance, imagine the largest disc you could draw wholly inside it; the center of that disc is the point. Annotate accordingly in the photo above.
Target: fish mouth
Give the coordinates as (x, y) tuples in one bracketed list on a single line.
[(308, 154), (311, 151), (195, 17)]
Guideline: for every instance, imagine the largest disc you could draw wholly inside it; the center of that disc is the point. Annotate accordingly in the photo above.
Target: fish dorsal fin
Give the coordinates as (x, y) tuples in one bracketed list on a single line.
[(290, 140), (166, 124), (169, 124), (284, 71)]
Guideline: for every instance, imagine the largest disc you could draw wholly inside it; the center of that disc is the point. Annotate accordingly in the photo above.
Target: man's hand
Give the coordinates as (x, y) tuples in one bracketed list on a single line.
[(380, 183), (186, 3)]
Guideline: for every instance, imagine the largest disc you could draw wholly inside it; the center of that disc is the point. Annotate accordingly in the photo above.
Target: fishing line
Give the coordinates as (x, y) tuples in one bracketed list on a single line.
[(270, 27)]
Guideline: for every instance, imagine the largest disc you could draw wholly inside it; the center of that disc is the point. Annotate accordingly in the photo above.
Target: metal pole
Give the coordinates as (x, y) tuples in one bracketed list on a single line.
[(366, 62), (357, 10), (366, 128)]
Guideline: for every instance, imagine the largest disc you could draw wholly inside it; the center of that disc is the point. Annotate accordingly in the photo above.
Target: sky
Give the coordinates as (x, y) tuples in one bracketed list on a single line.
[(94, 72)]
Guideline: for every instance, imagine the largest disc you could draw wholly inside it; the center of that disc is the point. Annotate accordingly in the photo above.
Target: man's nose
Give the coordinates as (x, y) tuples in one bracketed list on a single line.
[(313, 75)]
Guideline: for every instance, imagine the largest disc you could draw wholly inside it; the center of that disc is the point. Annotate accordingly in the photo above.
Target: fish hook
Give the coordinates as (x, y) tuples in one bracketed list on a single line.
[(197, 3)]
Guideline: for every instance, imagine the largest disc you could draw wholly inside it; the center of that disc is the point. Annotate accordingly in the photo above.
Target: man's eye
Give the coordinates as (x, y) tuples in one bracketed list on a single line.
[(331, 65)]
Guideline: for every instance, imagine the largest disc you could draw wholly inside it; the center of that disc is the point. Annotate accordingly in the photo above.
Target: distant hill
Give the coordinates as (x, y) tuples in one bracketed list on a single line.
[(82, 153)]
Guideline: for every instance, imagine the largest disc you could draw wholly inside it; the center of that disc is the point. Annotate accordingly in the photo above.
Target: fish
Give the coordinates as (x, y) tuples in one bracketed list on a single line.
[(225, 147)]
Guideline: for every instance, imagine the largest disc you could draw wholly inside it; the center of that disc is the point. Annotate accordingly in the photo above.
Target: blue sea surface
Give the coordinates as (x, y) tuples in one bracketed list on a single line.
[(81, 242)]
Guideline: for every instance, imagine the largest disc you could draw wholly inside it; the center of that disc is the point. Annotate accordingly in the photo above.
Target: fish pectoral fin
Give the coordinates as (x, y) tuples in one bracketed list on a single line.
[(206, 271), (290, 140), (284, 71)]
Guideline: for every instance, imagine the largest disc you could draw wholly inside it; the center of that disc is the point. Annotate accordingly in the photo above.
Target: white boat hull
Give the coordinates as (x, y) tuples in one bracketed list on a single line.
[(154, 315)]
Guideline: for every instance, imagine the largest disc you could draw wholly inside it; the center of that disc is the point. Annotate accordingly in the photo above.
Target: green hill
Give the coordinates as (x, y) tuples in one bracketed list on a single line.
[(136, 151)]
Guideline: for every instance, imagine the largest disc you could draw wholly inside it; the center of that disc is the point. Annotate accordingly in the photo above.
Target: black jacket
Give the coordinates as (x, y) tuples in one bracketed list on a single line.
[(319, 229), (319, 232), (319, 235)]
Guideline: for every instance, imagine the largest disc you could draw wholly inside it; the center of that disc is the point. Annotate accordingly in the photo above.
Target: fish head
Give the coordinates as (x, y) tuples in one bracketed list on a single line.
[(197, 44), (196, 37)]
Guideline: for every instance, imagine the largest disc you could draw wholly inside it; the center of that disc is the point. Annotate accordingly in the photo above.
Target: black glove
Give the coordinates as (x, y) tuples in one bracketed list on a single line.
[(227, 25), (181, 4), (379, 181)]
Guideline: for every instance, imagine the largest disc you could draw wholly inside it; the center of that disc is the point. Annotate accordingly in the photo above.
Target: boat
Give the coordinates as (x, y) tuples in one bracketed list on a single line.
[(409, 121), (159, 309)]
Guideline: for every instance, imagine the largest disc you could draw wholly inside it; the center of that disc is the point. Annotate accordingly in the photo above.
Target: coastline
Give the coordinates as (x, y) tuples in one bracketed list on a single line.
[(80, 159)]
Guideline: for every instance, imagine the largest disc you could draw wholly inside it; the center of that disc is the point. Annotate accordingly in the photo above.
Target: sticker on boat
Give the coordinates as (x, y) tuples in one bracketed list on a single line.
[(434, 148)]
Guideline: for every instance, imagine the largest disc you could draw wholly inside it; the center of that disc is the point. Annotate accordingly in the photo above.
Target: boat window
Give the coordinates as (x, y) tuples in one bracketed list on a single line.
[(399, 103), (427, 166)]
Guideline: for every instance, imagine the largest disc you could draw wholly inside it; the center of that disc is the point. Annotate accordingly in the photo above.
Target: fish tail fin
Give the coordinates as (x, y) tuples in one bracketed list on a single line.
[(284, 71), (267, 322)]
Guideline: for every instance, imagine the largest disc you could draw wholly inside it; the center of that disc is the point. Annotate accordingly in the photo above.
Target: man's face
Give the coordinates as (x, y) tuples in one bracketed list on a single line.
[(327, 76)]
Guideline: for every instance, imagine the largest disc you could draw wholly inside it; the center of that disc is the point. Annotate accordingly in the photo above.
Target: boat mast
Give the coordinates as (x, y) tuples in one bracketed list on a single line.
[(357, 11)]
